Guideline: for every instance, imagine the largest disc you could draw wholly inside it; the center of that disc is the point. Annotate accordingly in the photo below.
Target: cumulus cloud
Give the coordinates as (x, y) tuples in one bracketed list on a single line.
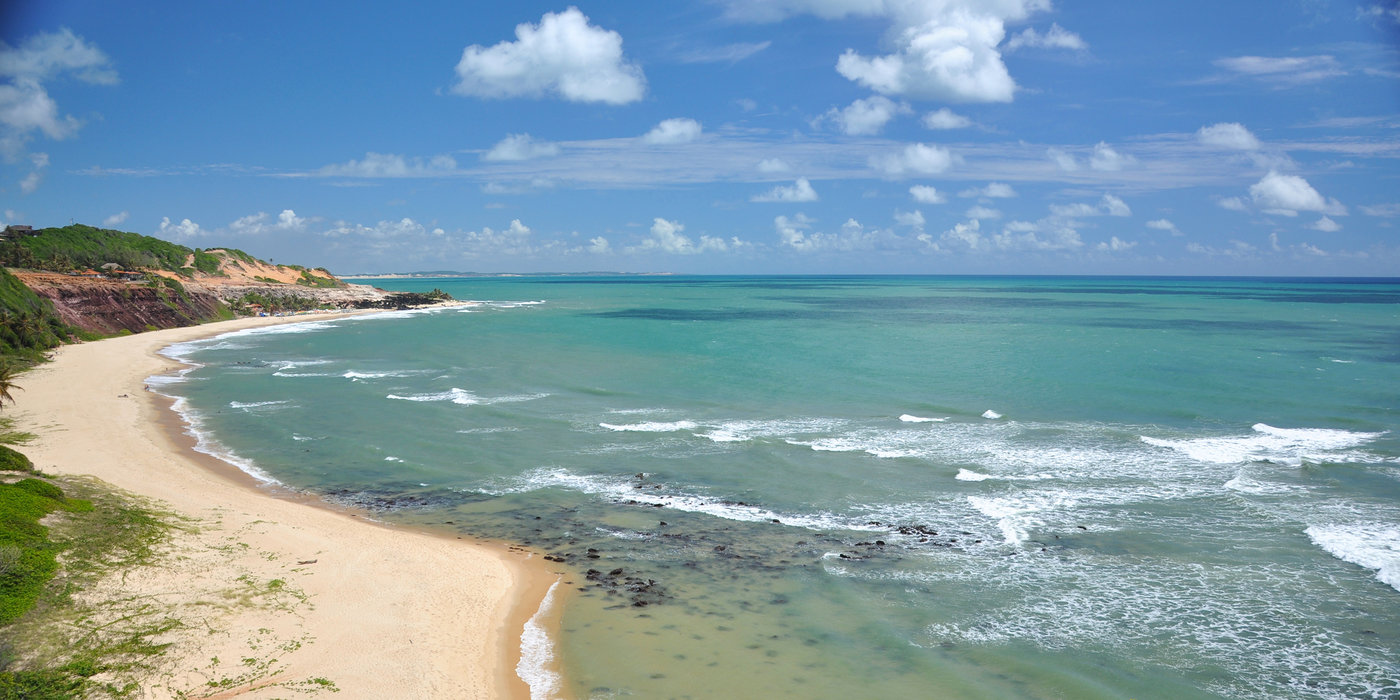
[(795, 233), (1105, 158), (981, 212), (800, 191), (666, 237), (993, 190), (1228, 135), (185, 230), (927, 194), (673, 131), (913, 219), (520, 147), (1325, 224), (1056, 37), (1289, 194), (1164, 225), (945, 50), (1233, 204), (25, 104), (1283, 71), (1109, 205), (562, 56), (392, 165), (1115, 245), (944, 119), (116, 219), (914, 159), (867, 116), (260, 223)]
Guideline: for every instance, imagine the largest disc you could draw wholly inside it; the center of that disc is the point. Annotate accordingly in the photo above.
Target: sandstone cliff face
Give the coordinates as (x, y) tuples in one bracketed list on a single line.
[(111, 306)]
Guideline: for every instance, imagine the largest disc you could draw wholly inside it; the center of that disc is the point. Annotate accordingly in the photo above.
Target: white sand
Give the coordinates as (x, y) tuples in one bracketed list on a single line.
[(381, 613)]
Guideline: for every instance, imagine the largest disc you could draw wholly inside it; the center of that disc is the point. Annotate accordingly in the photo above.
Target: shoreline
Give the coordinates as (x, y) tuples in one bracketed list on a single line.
[(447, 612)]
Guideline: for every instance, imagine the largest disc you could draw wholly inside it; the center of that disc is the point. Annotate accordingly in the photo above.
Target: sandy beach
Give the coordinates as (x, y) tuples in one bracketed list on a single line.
[(275, 593)]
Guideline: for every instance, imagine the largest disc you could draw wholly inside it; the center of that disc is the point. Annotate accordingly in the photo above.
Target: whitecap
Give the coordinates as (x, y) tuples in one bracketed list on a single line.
[(255, 404), (651, 426), (1291, 446), (392, 459), (918, 419), (1374, 546), (989, 414), (455, 395)]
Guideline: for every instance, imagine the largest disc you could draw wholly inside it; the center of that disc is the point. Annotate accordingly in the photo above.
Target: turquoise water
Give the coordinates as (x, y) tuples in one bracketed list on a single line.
[(879, 487)]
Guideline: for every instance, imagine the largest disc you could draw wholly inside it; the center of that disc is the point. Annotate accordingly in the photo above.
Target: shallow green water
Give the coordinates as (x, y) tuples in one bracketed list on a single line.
[(880, 487)]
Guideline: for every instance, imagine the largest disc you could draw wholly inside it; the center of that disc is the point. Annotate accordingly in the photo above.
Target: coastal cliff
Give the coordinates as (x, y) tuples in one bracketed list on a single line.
[(104, 282)]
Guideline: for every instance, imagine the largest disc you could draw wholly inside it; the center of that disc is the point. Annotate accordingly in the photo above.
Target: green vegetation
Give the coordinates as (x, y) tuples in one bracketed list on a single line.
[(275, 304), (12, 460), (78, 246), (403, 300), (28, 558), (28, 324), (51, 645)]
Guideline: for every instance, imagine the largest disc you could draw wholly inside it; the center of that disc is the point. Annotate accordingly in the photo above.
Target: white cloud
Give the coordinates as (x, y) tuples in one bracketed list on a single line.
[(1285, 70), (1233, 204), (1390, 209), (561, 56), (1066, 161), (673, 131), (1109, 205), (1164, 225), (915, 159), (1290, 194), (116, 219), (184, 230), (259, 223), (981, 212), (800, 191), (795, 233), (1228, 135), (993, 190), (1325, 224), (944, 50), (40, 161), (515, 147), (392, 165), (773, 165), (25, 104), (944, 119), (729, 53), (1380, 12), (599, 245), (911, 218), (927, 194), (666, 237), (1115, 245), (1105, 158), (1056, 37), (867, 116)]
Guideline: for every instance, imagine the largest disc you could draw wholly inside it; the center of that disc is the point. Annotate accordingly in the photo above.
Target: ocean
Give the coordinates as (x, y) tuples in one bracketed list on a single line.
[(876, 487)]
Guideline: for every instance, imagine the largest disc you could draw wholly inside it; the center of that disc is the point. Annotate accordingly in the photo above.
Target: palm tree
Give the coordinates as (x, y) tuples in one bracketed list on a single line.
[(7, 383)]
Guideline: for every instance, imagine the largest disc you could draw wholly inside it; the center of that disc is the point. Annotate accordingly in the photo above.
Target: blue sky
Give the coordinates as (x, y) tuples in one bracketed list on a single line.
[(719, 136)]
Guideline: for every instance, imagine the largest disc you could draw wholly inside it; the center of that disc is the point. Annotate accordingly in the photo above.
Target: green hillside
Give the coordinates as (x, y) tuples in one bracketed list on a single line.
[(28, 324), (79, 246)]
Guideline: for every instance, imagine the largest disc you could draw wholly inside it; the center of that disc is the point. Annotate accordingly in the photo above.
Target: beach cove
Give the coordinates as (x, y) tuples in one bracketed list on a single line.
[(274, 589)]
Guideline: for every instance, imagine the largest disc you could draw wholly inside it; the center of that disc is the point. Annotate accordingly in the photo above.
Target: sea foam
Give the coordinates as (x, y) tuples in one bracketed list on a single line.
[(1291, 446), (1374, 546), (537, 653)]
